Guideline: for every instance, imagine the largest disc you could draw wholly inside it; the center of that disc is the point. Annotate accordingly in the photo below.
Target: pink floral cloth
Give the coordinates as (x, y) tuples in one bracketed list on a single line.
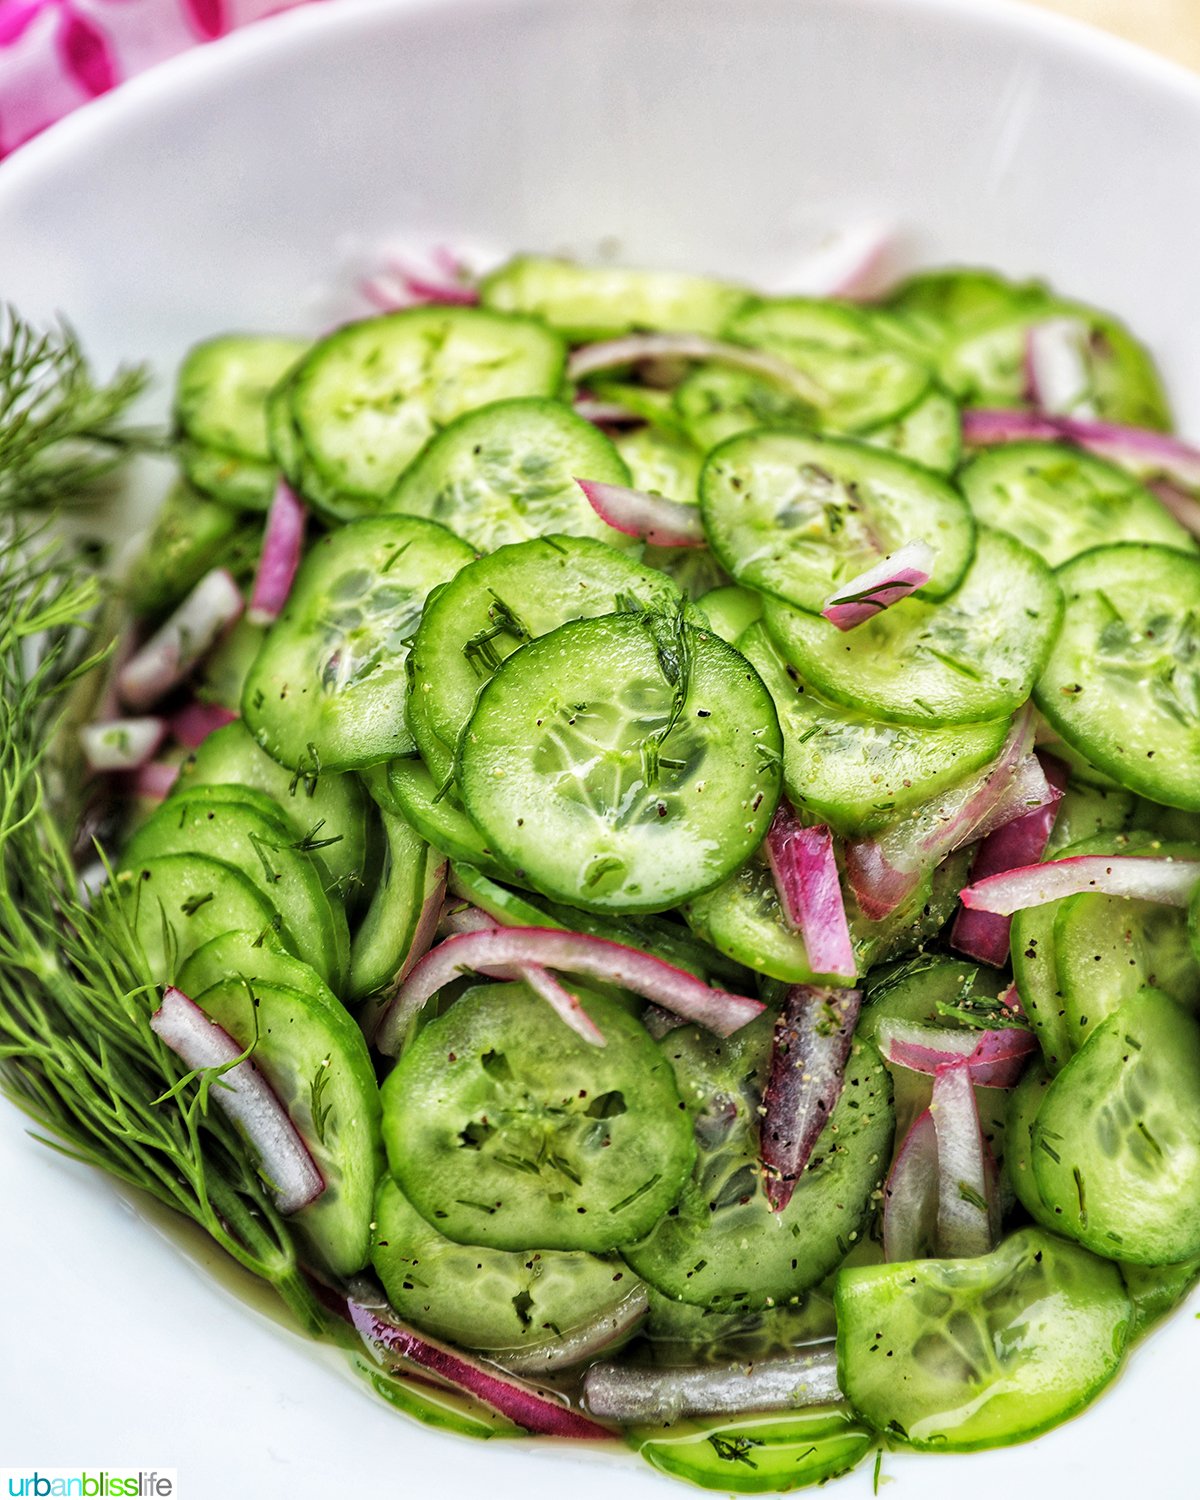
[(57, 54)]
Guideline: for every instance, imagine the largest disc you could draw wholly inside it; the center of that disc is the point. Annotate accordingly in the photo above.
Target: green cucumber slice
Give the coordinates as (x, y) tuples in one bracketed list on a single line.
[(1116, 1142), (364, 401), (191, 534), (502, 1301), (1156, 1291), (972, 657), (795, 515), (506, 472), (406, 787), (1086, 812), (662, 463), (957, 1355), (723, 1246), (382, 942), (222, 674), (1122, 685), (928, 433), (496, 604), (623, 763), (1061, 501), (730, 610), (504, 1129), (327, 690), (314, 1057), (1023, 1109), (597, 302), (252, 956), (854, 772), (1035, 972), (715, 402), (240, 483), (946, 302)]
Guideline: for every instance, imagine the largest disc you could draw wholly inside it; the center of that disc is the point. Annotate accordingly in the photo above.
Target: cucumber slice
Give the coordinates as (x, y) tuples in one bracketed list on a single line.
[(636, 799), (854, 772), (249, 834), (922, 917), (680, 1333), (502, 1301), (866, 378), (986, 365), (597, 302), (1157, 1290), (256, 957), (176, 903), (1122, 685), (327, 690), (928, 433), (406, 787), (222, 675), (957, 1355), (974, 656), (506, 472), (723, 1246), (1086, 812), (1023, 1109), (240, 483), (512, 596), (950, 301), (506, 1130), (714, 403), (1116, 1142), (730, 611), (314, 1057), (362, 404), (662, 463), (1035, 972), (1061, 501), (381, 944), (756, 1455), (191, 534), (327, 810), (795, 515)]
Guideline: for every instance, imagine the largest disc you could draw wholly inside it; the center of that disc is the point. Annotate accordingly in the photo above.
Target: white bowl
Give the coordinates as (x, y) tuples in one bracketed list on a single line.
[(222, 189)]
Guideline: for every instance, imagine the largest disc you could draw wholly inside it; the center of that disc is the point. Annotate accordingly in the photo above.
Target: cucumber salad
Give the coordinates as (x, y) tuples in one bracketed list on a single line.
[(640, 853)]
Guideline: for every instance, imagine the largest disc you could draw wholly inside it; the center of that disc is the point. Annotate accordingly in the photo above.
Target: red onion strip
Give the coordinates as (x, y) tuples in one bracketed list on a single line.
[(847, 263), (964, 1184), (981, 935), (1058, 376), (245, 1096), (994, 1059), (646, 1393), (121, 744), (192, 725), (175, 648), (805, 868), (1184, 507), (879, 587), (910, 1195), (813, 1037), (521, 1403), (573, 953), (654, 518), (431, 911), (154, 780), (282, 548), (635, 348), (1140, 878)]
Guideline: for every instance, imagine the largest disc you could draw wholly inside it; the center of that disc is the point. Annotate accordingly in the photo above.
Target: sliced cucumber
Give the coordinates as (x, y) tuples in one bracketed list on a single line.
[(1116, 1142), (1086, 812), (506, 472), (1122, 685), (972, 657), (928, 433), (256, 957), (795, 515), (327, 690), (506, 1130), (1031, 944), (623, 763), (596, 302), (361, 405), (1061, 501), (382, 943), (716, 402), (938, 305), (730, 611), (223, 672), (315, 1059), (503, 1301), (854, 772), (662, 463), (406, 787), (957, 1355), (191, 534), (1157, 1290), (723, 1246)]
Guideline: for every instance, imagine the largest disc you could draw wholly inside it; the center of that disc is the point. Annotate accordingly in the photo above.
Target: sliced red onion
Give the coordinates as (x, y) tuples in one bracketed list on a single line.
[(282, 549), (431, 911), (402, 283), (1022, 841), (994, 1059), (813, 1037), (1057, 367), (847, 263), (245, 1096), (886, 869), (805, 868), (535, 1410), (153, 781), (984, 426), (585, 1342), (121, 744), (878, 588), (192, 725), (654, 518), (910, 1195), (635, 348), (1138, 877), (1184, 507), (603, 413), (175, 648), (964, 1183), (649, 1393), (571, 952)]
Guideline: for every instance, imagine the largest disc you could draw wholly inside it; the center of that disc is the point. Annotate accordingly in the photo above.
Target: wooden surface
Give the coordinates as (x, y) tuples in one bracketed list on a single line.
[(1171, 27)]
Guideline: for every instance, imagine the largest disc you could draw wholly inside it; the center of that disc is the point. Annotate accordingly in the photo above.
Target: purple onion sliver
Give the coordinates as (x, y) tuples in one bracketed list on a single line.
[(182, 641), (646, 1393), (804, 866), (154, 780), (192, 725), (657, 520), (848, 263), (121, 744), (1183, 507), (1057, 371), (1138, 877), (879, 587), (245, 1096), (282, 549), (636, 348), (994, 1058), (910, 1195), (813, 1038), (964, 1184)]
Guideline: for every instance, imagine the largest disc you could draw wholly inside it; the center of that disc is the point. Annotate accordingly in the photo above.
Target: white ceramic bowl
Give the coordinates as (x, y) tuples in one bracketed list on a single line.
[(221, 190)]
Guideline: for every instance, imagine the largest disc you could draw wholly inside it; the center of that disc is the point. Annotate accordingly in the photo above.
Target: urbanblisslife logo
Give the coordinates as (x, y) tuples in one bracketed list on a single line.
[(102, 1484)]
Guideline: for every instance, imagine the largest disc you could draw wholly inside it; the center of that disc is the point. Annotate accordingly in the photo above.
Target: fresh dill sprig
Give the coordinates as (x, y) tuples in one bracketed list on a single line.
[(61, 432), (76, 1050)]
